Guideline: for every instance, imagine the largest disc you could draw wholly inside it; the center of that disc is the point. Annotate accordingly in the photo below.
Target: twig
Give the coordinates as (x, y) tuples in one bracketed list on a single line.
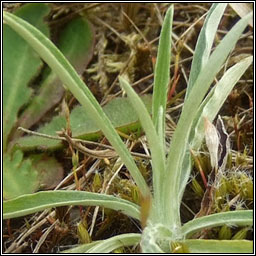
[(77, 144), (40, 134)]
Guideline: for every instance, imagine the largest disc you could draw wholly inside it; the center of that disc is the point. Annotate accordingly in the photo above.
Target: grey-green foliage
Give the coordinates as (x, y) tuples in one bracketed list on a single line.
[(204, 43), (169, 177), (27, 204)]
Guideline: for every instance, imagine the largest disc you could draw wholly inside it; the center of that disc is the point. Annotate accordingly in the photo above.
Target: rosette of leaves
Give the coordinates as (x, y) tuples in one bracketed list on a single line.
[(159, 212)]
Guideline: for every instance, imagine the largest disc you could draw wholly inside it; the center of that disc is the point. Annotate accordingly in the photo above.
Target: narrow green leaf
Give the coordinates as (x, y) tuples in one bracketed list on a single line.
[(234, 218), (179, 144), (205, 42), (20, 65), (55, 59), (219, 246), (83, 248), (214, 100), (186, 169), (28, 204), (108, 245), (209, 108), (162, 73), (156, 147)]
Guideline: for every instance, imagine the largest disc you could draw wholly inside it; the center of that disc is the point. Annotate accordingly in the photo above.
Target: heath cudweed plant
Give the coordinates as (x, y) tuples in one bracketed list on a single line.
[(159, 210)]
